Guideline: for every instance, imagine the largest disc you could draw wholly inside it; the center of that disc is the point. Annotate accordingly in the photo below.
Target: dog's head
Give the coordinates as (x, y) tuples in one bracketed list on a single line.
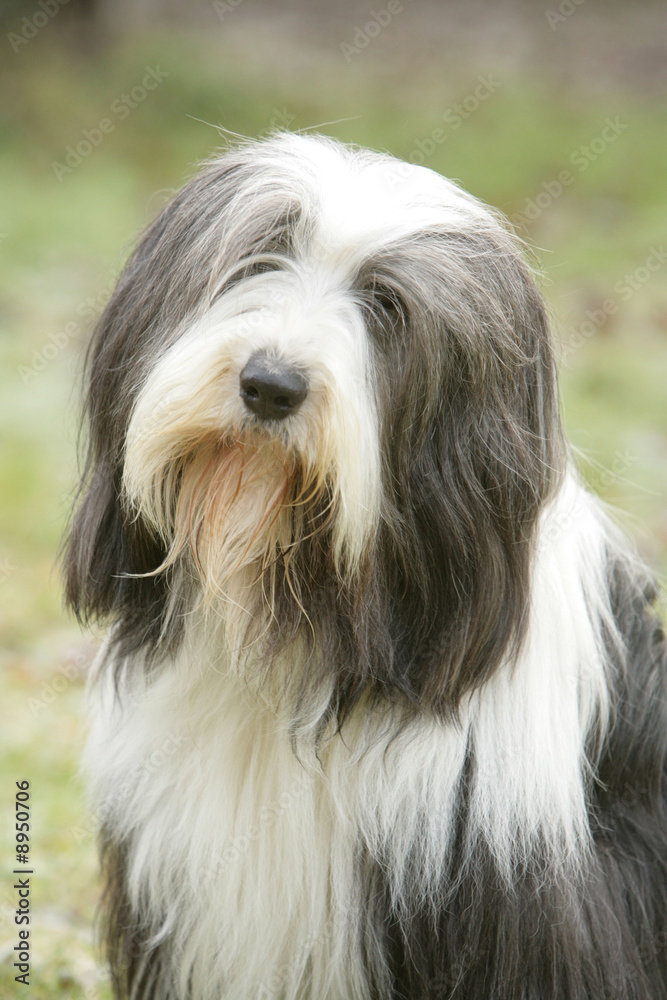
[(323, 390)]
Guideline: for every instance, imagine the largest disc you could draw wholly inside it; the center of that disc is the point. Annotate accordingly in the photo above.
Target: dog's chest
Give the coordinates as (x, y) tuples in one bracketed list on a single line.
[(233, 840)]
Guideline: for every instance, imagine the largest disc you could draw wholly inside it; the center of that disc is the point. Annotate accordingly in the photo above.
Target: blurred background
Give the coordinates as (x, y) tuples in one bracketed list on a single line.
[(553, 111)]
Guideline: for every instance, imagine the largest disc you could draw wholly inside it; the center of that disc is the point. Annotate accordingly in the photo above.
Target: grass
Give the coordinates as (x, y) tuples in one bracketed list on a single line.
[(64, 241)]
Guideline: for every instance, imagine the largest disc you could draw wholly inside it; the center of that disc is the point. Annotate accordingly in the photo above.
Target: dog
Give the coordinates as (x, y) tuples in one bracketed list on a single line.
[(381, 712)]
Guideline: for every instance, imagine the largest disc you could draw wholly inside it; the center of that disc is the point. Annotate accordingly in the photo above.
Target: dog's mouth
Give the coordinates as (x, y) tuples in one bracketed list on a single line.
[(247, 462), (239, 505)]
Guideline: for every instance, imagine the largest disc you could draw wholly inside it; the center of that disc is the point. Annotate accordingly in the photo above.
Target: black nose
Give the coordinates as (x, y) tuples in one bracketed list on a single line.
[(271, 389)]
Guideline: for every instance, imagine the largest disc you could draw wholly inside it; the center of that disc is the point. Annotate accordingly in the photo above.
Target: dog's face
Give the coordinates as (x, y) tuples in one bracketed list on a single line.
[(323, 391)]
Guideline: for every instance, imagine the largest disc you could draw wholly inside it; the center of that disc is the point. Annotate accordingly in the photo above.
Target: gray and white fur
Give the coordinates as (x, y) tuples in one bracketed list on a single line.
[(381, 712)]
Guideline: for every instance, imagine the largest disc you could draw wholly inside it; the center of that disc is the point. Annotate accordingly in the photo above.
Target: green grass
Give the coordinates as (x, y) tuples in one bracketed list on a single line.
[(64, 241)]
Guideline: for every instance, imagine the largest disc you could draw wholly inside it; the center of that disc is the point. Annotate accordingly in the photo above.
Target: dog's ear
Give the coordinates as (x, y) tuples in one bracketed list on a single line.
[(104, 551), (107, 549), (158, 290), (172, 276), (475, 449)]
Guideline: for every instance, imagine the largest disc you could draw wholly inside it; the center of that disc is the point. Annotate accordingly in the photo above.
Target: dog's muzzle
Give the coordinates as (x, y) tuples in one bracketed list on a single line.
[(271, 389)]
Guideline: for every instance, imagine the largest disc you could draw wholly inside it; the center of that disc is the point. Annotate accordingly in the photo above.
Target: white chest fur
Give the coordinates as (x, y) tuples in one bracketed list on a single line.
[(247, 856)]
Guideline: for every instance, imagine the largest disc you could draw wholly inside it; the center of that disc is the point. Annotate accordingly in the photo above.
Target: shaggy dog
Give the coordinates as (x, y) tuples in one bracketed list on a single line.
[(381, 713)]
